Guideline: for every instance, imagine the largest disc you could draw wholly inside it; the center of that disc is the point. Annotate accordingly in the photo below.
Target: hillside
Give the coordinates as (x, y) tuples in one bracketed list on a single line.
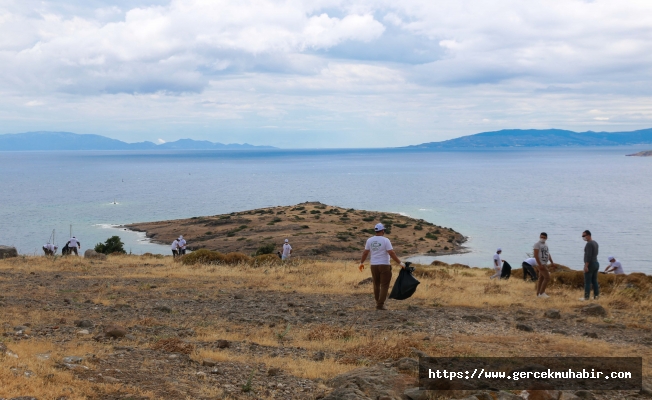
[(314, 230), (641, 154), (542, 138), (43, 141)]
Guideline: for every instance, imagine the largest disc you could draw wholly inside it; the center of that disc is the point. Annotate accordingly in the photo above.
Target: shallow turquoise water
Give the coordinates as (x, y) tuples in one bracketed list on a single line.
[(498, 198)]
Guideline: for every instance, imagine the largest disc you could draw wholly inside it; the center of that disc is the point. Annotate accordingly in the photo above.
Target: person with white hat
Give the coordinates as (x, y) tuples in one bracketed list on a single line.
[(182, 245), (381, 251), (498, 264), (287, 250), (614, 266)]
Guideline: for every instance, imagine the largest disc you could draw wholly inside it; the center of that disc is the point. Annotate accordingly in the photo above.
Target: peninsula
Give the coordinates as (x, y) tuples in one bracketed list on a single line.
[(641, 154), (315, 230)]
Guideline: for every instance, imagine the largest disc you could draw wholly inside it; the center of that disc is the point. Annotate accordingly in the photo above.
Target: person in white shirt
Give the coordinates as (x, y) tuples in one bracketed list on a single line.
[(498, 264), (73, 245), (614, 266), (381, 251), (182, 245), (287, 250), (49, 249), (528, 269), (175, 248)]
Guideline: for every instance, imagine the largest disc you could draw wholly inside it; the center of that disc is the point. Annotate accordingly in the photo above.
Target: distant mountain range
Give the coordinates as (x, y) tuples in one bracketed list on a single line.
[(542, 138), (73, 141)]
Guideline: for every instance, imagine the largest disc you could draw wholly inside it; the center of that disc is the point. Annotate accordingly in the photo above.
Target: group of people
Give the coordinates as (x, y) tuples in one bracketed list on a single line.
[(179, 246), (536, 268), (71, 246)]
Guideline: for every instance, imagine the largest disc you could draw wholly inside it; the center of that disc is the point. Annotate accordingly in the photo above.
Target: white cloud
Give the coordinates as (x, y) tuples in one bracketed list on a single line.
[(408, 71)]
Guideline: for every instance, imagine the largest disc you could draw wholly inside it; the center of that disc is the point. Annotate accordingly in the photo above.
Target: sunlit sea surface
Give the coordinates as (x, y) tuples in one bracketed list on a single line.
[(498, 198)]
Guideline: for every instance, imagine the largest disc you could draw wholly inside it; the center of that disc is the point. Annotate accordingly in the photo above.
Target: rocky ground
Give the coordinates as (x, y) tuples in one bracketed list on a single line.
[(150, 335)]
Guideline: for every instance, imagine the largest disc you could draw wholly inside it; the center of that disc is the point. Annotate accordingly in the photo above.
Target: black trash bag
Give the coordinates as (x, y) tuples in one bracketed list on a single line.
[(66, 250), (405, 285), (506, 272)]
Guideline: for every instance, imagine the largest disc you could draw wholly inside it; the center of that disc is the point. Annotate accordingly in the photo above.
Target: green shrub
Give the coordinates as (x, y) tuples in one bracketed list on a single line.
[(431, 235), (315, 212), (368, 219), (265, 249), (418, 227), (112, 245)]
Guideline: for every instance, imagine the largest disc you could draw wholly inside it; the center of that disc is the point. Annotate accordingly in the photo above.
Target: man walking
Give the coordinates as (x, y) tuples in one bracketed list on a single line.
[(182, 245), (542, 256), (591, 267), (175, 248), (287, 250), (381, 251), (73, 245), (498, 264)]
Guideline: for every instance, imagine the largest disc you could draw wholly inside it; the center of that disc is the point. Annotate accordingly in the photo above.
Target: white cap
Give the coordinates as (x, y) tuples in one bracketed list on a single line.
[(611, 258), (499, 249), (180, 236), (286, 240), (379, 227)]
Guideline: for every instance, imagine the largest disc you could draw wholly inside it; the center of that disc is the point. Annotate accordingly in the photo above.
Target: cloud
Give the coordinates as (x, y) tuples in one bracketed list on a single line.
[(405, 71)]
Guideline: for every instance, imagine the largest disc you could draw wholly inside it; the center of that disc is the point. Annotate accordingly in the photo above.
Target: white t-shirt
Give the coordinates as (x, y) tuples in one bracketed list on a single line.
[(531, 261), (49, 246), (286, 249), (379, 246), (544, 254), (175, 244), (182, 243), (619, 268), (497, 261), (73, 243)]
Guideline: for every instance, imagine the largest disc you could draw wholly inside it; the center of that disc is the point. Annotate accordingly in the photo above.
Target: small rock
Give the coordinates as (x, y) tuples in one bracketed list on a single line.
[(552, 314), (507, 396), (164, 309), (523, 327), (72, 360), (416, 394), (110, 379), (585, 394), (365, 281), (594, 309), (559, 332), (208, 363), (540, 394), (318, 356), (472, 318), (129, 336), (591, 335), (238, 296), (222, 344), (215, 371), (568, 396), (273, 371), (83, 332), (115, 331), (407, 364)]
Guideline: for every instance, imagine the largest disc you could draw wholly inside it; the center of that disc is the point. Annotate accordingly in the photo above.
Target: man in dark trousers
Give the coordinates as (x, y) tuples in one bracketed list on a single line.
[(591, 267), (381, 250)]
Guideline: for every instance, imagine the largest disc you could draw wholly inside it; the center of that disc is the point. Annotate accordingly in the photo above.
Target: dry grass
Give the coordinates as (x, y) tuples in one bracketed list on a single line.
[(626, 298)]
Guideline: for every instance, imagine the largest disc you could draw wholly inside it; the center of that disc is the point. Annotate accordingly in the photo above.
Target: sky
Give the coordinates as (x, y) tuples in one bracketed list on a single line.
[(323, 73)]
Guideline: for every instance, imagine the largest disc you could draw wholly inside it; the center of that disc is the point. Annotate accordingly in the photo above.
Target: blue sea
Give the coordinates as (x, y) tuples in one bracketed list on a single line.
[(498, 198)]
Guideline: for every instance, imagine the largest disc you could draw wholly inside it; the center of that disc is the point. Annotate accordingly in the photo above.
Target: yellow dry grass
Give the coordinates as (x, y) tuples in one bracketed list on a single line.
[(441, 286)]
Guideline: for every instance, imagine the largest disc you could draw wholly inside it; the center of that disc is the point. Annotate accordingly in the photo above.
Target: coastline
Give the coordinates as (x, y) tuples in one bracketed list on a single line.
[(315, 230)]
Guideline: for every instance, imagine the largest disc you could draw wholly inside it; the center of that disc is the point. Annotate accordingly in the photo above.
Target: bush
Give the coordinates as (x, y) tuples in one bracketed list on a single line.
[(237, 258), (112, 245), (202, 256), (265, 249)]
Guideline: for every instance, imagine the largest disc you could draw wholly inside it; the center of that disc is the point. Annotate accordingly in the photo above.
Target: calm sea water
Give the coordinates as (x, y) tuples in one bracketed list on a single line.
[(498, 198)]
